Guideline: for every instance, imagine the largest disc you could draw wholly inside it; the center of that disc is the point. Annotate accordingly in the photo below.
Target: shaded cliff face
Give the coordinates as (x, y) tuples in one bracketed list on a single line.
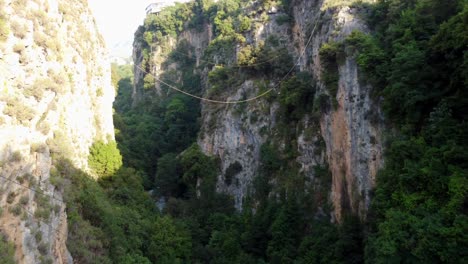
[(340, 132), (352, 130), (55, 101)]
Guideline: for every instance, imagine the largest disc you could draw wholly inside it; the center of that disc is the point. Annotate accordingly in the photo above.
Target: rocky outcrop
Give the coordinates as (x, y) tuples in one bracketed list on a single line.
[(235, 135), (151, 60), (353, 130), (354, 146), (55, 100)]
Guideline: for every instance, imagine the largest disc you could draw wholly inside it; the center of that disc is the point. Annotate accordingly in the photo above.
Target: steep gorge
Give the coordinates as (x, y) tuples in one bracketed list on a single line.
[(334, 85)]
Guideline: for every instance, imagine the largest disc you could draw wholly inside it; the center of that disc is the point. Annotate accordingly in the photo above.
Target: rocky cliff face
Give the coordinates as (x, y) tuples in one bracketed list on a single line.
[(345, 137), (352, 131), (55, 100)]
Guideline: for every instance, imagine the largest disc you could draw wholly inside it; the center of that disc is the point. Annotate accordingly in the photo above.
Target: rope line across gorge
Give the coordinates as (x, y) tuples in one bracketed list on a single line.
[(237, 101), (203, 98)]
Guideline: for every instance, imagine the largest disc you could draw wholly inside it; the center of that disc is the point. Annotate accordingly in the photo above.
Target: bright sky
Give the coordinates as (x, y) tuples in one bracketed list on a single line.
[(117, 21)]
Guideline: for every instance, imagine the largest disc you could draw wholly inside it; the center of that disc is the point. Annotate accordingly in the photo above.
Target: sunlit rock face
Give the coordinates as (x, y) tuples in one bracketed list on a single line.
[(345, 138), (55, 100)]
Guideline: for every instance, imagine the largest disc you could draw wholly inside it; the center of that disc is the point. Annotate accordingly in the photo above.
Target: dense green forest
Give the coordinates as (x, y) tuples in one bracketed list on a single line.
[(416, 59)]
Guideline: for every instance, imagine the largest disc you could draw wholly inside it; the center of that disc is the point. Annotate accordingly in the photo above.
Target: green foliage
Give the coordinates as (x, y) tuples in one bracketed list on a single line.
[(417, 213), (148, 36), (152, 129), (44, 207), (167, 178), (247, 55), (24, 200), (149, 82), (230, 22), (170, 243), (155, 126), (16, 209), (223, 24), (450, 42), (329, 53), (11, 197), (196, 165), (272, 59), (104, 158), (269, 157), (223, 79), (329, 4), (372, 59), (121, 76), (244, 23), (119, 72), (198, 203), (317, 247), (170, 21), (426, 207), (124, 95), (111, 221), (221, 48), (328, 243), (297, 94), (285, 235), (410, 54), (7, 251)]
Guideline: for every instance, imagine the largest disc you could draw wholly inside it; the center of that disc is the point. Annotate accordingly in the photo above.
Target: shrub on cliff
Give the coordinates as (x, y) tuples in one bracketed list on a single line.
[(15, 107), (329, 53), (104, 159)]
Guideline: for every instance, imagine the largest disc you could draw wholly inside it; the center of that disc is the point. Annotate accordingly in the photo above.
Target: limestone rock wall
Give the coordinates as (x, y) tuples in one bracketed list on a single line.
[(353, 130), (55, 99)]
